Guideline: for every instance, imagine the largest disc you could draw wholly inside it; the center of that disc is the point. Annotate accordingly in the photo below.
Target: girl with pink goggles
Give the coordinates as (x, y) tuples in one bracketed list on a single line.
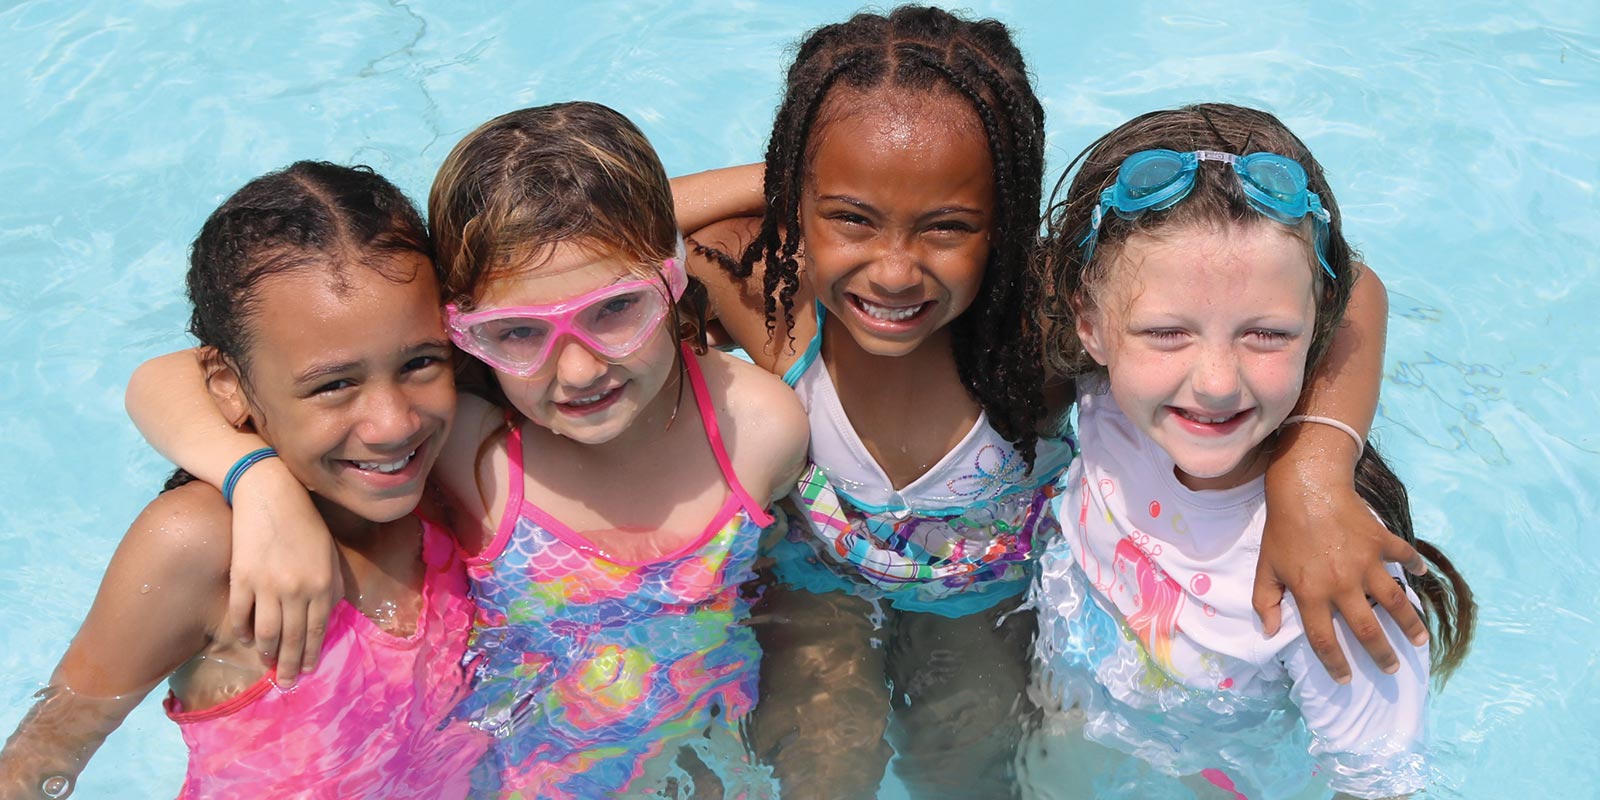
[(613, 321)]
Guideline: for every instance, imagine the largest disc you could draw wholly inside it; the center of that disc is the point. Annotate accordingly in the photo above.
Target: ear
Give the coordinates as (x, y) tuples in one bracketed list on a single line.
[(226, 386), (1090, 331)]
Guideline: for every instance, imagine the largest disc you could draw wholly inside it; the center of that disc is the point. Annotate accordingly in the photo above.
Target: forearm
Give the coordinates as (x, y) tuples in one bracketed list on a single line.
[(169, 404), (55, 741), (708, 197), (1343, 387)]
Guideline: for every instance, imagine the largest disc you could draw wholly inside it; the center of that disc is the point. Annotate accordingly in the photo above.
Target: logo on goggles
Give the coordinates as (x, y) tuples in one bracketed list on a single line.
[(1156, 180)]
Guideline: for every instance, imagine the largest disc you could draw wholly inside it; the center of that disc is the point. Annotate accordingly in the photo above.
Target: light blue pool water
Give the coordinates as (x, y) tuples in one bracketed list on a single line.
[(1462, 148)]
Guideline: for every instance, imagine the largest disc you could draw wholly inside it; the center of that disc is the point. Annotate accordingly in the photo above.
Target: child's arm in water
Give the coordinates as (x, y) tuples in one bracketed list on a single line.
[(161, 602), (287, 570), (1321, 542), (1368, 734)]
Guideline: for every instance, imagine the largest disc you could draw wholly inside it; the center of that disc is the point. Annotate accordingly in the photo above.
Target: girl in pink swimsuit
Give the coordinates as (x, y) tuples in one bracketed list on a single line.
[(316, 307), (608, 480)]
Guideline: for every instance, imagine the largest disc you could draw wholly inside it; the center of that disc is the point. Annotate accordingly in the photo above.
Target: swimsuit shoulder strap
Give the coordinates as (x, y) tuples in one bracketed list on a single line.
[(708, 416), (513, 464), (792, 375)]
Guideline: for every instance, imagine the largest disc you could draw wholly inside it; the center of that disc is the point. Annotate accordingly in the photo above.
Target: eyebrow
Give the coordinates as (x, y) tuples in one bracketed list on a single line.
[(937, 212), (320, 371)]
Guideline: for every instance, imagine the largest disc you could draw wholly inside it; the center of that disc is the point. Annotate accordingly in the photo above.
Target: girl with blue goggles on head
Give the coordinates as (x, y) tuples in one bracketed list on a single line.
[(1199, 259)]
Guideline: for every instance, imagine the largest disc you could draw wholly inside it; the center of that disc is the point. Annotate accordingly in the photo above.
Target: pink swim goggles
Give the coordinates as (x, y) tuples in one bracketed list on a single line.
[(612, 321)]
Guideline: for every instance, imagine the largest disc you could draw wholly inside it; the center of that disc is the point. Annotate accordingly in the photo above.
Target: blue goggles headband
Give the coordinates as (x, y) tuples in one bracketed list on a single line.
[(1156, 180)]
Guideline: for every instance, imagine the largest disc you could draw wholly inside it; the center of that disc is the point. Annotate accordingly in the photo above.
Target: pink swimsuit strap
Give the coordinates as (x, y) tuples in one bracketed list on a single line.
[(708, 418)]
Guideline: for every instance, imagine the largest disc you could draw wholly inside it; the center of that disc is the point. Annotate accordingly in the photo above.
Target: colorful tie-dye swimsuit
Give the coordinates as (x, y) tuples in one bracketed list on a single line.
[(590, 667), (955, 541), (369, 722)]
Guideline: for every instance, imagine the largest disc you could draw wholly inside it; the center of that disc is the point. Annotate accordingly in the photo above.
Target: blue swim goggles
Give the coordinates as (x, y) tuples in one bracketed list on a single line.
[(1156, 180)]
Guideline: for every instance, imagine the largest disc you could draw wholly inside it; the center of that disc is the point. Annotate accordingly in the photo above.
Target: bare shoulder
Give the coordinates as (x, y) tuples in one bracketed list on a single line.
[(163, 598), (764, 426), (739, 303), (185, 534), (457, 468)]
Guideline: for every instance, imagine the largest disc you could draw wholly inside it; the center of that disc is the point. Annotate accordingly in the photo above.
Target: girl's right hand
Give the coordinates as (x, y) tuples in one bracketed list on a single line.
[(285, 569)]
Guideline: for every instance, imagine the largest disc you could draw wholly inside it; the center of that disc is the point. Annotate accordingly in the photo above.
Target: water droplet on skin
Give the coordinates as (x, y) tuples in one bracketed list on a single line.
[(145, 589), (56, 786)]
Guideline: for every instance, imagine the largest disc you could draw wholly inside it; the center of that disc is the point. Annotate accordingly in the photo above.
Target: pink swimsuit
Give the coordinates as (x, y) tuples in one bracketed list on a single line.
[(368, 723)]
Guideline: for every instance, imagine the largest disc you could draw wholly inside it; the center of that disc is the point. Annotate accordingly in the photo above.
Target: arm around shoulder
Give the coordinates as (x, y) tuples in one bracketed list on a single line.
[(171, 405), (474, 487), (704, 198)]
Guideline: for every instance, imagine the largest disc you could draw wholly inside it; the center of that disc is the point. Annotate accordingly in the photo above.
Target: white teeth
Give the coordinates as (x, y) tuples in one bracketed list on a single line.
[(887, 313), (590, 400), (1206, 420), (385, 468)]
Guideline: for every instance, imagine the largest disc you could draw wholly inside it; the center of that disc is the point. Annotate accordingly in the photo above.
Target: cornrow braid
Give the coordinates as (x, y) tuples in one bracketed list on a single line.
[(997, 345)]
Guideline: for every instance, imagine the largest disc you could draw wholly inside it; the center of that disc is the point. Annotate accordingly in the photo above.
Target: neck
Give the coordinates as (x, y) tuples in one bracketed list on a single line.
[(933, 358), (1253, 466), (347, 527)]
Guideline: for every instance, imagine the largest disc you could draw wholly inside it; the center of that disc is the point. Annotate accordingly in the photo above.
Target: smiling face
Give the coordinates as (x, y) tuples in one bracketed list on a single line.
[(1205, 332), (579, 393), (897, 211), (349, 379)]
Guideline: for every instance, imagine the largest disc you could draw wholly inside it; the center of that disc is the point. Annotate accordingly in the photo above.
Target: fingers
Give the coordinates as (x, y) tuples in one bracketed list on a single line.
[(1268, 599), (317, 614), (241, 602), (1387, 592), (269, 625), (292, 645), (1358, 614), (1317, 617), (1400, 552)]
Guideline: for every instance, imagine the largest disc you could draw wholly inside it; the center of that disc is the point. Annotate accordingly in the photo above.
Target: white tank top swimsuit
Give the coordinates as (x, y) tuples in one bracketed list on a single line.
[(955, 541)]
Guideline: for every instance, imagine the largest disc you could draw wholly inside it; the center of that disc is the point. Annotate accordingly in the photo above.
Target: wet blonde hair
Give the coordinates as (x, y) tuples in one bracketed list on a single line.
[(531, 179)]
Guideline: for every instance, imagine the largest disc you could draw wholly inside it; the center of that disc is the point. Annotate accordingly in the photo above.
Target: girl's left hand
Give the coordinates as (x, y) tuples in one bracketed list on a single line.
[(285, 577), (1329, 551)]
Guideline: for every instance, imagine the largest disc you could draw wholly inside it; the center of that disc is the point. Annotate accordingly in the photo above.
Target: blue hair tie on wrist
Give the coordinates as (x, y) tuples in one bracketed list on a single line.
[(239, 467)]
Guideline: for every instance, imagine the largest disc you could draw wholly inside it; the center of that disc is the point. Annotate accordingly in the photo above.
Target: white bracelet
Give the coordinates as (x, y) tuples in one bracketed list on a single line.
[(1361, 444)]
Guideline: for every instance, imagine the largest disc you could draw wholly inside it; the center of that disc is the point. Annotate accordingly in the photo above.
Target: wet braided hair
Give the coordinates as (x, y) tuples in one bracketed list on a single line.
[(922, 49)]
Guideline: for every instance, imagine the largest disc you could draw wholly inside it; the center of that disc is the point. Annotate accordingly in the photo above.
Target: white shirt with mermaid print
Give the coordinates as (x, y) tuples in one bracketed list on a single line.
[(1145, 624)]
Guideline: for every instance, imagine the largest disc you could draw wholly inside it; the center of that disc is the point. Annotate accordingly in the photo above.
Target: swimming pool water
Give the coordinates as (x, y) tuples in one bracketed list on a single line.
[(1461, 142)]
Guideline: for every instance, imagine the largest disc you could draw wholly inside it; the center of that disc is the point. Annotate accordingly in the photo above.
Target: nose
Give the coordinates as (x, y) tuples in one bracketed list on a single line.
[(577, 365), (391, 418), (1215, 379), (896, 266)]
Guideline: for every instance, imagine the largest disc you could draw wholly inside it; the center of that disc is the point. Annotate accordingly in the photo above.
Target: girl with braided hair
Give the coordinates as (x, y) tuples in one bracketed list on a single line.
[(883, 271), (909, 149)]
